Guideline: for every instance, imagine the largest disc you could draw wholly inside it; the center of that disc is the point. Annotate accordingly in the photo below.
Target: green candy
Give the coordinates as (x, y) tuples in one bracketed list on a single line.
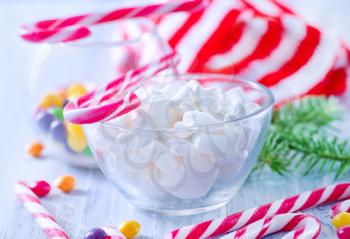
[(87, 152), (58, 113)]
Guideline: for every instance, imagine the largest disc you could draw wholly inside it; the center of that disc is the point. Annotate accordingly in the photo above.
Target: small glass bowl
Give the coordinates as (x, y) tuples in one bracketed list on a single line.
[(176, 180)]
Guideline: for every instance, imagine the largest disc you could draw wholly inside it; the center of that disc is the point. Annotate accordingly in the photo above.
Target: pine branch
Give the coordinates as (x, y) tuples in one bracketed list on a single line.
[(299, 137), (317, 110)]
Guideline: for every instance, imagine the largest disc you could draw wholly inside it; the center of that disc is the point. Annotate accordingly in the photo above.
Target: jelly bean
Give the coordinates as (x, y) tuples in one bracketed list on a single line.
[(130, 228), (44, 120), (51, 100), (58, 113), (95, 233), (65, 183), (343, 232), (58, 131), (87, 151), (342, 219), (75, 91), (40, 188), (75, 137), (35, 149)]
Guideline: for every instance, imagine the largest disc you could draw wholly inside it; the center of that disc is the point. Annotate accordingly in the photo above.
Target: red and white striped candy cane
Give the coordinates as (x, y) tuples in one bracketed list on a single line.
[(55, 35), (56, 30), (115, 98), (45, 220), (299, 226), (42, 217), (343, 206), (241, 219)]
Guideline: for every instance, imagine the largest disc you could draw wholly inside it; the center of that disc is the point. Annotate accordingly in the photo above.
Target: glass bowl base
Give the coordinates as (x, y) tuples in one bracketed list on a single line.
[(182, 212)]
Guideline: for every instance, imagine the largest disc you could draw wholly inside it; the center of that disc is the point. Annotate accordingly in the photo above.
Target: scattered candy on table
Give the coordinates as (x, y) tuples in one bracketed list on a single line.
[(344, 232), (65, 183), (50, 120), (35, 149), (342, 219), (40, 188), (75, 137), (51, 100), (75, 90), (95, 233), (41, 216), (130, 228)]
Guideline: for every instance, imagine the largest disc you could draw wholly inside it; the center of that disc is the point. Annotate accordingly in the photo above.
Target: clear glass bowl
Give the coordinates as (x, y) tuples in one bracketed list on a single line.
[(113, 49), (177, 180)]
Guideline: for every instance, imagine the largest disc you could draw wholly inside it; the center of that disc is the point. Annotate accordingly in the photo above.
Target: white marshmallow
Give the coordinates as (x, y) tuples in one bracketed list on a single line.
[(200, 172), (163, 114), (250, 108), (195, 118), (234, 101), (210, 143), (168, 170)]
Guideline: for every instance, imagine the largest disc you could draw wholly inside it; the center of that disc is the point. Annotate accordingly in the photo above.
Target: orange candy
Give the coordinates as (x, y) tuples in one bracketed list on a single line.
[(35, 149), (65, 183)]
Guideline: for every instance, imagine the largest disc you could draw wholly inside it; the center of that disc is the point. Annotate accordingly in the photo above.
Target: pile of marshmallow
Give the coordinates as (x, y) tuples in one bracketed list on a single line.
[(182, 141)]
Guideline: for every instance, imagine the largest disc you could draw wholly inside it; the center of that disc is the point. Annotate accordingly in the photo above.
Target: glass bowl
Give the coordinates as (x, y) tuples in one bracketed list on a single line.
[(177, 178), (64, 71)]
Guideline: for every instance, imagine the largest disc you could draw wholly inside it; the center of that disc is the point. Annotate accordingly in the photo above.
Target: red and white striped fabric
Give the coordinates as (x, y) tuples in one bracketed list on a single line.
[(259, 40)]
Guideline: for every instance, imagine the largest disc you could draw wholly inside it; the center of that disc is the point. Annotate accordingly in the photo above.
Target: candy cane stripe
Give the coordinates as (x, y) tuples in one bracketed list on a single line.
[(69, 29), (242, 223)]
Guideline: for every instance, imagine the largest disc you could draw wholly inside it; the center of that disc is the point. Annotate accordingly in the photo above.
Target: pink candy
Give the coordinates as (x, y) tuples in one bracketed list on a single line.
[(344, 232), (40, 188)]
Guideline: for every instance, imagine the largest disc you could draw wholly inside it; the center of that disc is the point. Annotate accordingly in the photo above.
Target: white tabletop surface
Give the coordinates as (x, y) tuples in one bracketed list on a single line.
[(96, 202)]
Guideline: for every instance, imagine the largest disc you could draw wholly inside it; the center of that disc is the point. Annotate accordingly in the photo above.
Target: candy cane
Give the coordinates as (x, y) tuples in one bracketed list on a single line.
[(300, 226), (241, 219), (42, 217), (45, 220), (115, 98), (340, 207), (56, 35), (54, 30)]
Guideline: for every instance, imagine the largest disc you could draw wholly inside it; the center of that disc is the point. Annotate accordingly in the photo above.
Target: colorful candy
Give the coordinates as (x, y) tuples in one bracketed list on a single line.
[(50, 120), (51, 100), (344, 232), (87, 151), (40, 188), (130, 228), (341, 220), (65, 183), (35, 149), (75, 137), (75, 91), (57, 112), (44, 120), (58, 131), (95, 233)]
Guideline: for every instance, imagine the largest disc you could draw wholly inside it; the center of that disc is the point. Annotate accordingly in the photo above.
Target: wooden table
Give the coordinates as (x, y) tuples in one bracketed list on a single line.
[(96, 202)]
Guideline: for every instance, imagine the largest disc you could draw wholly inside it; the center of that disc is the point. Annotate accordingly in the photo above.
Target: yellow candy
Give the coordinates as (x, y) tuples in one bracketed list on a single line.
[(342, 219), (129, 228), (75, 137), (75, 91), (51, 100)]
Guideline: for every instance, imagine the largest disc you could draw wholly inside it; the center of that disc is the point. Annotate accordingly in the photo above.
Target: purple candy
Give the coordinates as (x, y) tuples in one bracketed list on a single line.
[(58, 131), (44, 120), (95, 233)]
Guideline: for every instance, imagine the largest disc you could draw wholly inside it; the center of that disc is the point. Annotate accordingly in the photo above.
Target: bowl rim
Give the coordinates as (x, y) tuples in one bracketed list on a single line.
[(268, 104)]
